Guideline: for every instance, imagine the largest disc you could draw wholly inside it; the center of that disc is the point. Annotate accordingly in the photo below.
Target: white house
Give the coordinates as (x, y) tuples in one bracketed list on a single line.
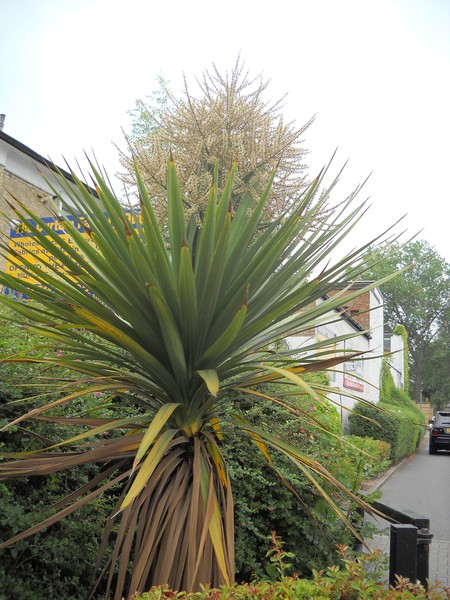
[(355, 379), (24, 177), (394, 348)]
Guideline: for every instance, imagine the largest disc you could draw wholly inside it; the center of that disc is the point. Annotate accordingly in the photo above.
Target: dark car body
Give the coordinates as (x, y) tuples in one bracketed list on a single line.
[(440, 432)]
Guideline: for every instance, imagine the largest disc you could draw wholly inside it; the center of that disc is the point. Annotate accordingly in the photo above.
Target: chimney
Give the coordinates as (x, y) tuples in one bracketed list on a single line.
[(2, 121)]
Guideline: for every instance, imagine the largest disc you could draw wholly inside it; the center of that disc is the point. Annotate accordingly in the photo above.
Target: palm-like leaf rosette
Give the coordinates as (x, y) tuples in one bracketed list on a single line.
[(176, 325)]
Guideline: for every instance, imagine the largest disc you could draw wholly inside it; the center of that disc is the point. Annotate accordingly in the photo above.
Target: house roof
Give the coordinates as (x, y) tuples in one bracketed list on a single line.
[(342, 310), (40, 159)]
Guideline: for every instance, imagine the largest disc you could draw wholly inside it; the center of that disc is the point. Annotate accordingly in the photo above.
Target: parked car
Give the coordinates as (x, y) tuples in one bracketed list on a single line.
[(439, 432)]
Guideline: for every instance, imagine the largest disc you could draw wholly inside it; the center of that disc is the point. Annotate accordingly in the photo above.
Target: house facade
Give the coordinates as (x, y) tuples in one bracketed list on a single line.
[(395, 350), (24, 177), (362, 318)]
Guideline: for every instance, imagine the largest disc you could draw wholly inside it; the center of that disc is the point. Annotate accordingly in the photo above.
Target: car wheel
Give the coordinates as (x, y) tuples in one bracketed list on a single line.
[(432, 449)]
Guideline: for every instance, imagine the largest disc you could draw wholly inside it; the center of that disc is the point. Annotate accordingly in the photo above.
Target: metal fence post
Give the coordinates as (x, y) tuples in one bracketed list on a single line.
[(403, 552), (409, 544), (356, 522), (424, 538)]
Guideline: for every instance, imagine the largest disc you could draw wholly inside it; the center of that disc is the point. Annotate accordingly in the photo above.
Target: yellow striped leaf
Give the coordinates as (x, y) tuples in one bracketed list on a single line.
[(158, 422), (211, 379), (148, 466)]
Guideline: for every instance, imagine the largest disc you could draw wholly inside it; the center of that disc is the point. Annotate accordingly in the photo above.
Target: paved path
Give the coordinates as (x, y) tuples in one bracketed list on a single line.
[(439, 558), (440, 546)]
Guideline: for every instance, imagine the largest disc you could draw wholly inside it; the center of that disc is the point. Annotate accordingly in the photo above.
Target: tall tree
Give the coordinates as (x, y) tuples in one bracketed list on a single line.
[(147, 113), (436, 378), (419, 300), (230, 121)]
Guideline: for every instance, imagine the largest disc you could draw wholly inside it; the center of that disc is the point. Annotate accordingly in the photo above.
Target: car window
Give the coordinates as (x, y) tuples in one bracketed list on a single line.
[(443, 419)]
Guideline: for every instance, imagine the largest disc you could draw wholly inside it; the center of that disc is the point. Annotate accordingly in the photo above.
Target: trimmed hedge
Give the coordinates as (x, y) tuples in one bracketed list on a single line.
[(401, 427), (395, 419)]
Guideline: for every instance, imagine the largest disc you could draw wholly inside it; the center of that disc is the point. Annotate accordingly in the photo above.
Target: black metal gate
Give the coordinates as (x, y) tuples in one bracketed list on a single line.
[(410, 539)]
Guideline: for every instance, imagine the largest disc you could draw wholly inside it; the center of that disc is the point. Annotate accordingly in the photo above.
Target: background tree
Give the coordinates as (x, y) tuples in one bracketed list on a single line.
[(436, 378), (420, 301), (147, 113), (230, 121)]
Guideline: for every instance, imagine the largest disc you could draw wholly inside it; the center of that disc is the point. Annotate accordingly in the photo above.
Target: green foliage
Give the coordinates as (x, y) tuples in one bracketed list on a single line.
[(347, 579), (58, 563), (303, 521), (387, 384), (419, 300), (278, 557), (62, 556), (401, 330), (390, 394), (400, 427), (366, 456), (261, 504), (147, 113), (179, 323), (395, 420), (16, 380)]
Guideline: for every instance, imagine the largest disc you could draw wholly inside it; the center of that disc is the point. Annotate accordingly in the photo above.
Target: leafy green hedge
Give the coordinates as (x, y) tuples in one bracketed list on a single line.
[(349, 579), (395, 419), (397, 426), (263, 504), (59, 561)]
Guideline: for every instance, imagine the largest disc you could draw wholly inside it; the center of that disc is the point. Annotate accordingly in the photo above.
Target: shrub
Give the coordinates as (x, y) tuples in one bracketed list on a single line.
[(395, 419), (262, 504), (400, 427), (348, 579), (304, 521), (368, 457), (60, 558), (58, 562)]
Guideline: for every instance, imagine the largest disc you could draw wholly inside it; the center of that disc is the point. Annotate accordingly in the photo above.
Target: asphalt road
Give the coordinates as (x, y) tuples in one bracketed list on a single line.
[(422, 484)]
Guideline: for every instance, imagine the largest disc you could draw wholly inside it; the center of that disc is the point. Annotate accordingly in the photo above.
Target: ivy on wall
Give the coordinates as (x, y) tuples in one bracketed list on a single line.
[(400, 330)]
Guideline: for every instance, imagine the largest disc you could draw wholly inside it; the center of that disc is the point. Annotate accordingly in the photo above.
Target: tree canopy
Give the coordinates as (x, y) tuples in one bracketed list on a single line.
[(420, 301), (229, 121), (436, 379)]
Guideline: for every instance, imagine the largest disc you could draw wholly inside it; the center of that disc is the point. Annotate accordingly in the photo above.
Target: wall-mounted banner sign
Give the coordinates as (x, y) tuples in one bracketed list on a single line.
[(23, 242), (353, 375)]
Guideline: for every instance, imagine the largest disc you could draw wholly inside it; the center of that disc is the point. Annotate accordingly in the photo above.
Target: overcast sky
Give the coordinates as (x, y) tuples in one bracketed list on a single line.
[(376, 73)]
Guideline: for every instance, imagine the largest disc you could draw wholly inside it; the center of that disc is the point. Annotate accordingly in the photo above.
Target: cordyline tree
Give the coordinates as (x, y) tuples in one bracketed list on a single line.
[(176, 324), (228, 122)]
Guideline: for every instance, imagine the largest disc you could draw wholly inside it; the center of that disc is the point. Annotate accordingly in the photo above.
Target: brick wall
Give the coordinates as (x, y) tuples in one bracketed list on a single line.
[(36, 199), (357, 308)]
